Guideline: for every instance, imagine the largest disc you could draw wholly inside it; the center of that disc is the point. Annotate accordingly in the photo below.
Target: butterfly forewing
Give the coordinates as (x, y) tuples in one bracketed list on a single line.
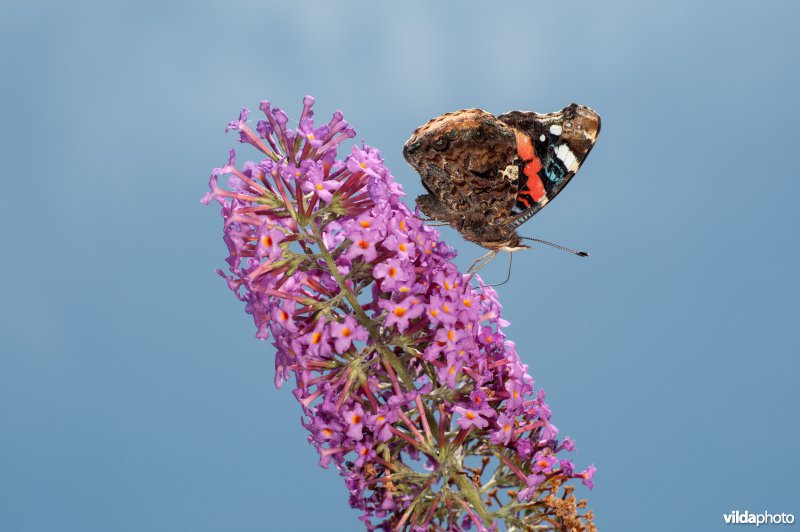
[(561, 141)]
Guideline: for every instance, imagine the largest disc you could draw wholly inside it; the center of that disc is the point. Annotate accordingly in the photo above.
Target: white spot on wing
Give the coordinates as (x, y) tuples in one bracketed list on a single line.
[(556, 129), (567, 157), (510, 173), (543, 137)]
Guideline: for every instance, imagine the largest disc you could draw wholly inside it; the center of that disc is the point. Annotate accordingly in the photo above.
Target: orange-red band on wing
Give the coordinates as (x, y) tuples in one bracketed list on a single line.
[(524, 146), (533, 186)]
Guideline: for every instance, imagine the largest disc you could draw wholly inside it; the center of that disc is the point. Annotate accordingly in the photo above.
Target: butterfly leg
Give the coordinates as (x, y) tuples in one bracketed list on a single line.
[(435, 224), (481, 262)]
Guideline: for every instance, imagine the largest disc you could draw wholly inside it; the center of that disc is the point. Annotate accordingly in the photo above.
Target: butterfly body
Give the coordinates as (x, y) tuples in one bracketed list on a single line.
[(487, 175)]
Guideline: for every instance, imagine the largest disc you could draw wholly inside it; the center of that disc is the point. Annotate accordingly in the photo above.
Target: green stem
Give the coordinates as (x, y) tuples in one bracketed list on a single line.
[(468, 491), (361, 316)]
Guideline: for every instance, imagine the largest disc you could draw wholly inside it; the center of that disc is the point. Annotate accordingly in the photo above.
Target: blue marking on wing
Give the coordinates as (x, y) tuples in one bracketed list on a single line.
[(553, 171)]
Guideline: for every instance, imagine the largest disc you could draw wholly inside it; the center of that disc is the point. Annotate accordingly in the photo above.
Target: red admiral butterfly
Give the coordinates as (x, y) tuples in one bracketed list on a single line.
[(488, 175)]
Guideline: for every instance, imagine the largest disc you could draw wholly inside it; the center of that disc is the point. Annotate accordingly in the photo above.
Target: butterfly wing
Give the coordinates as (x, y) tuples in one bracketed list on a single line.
[(466, 160), (552, 147)]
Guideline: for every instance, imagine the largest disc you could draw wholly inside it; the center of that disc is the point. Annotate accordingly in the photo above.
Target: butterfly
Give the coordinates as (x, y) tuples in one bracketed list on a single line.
[(487, 175)]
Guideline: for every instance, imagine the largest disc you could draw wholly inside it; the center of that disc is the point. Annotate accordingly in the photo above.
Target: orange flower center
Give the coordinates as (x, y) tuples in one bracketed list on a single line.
[(400, 312), (363, 244)]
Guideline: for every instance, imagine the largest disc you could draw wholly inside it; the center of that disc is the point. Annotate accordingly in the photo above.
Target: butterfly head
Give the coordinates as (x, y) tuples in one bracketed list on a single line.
[(512, 249), (509, 244)]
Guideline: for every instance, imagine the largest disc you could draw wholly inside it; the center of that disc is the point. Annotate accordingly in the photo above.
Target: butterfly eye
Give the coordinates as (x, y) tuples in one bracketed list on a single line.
[(440, 144)]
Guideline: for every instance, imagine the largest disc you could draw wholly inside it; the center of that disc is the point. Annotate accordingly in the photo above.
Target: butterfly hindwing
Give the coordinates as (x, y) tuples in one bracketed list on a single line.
[(465, 161), (560, 141)]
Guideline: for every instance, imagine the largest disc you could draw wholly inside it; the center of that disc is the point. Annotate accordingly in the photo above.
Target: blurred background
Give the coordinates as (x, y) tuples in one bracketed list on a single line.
[(133, 394)]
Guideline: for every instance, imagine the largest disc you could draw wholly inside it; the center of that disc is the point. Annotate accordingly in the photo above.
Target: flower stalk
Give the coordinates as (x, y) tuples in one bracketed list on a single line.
[(400, 364)]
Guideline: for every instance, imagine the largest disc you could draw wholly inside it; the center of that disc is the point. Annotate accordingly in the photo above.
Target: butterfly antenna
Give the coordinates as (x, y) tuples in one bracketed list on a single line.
[(510, 259), (562, 248)]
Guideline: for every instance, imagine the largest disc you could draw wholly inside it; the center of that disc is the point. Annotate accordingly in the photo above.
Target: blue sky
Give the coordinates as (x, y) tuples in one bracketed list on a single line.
[(133, 394)]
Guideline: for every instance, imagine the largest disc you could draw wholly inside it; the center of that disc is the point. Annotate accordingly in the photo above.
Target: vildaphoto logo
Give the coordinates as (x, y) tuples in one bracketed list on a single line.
[(764, 518)]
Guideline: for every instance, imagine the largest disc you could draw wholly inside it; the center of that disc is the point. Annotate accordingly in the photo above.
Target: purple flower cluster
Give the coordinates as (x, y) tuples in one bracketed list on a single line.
[(407, 383)]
